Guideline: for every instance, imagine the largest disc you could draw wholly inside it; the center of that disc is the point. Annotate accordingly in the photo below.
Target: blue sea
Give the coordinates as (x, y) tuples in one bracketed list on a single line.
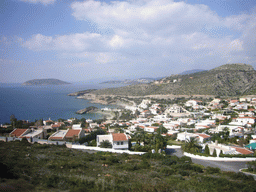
[(44, 102)]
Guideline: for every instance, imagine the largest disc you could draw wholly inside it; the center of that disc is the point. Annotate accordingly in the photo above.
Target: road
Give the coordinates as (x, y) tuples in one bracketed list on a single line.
[(224, 166)]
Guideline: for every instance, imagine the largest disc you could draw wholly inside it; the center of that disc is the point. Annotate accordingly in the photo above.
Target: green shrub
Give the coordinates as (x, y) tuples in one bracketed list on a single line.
[(169, 161), (155, 156), (214, 154), (144, 165), (112, 160), (185, 159), (130, 167), (212, 170), (167, 171), (197, 169), (206, 150), (239, 176), (183, 173)]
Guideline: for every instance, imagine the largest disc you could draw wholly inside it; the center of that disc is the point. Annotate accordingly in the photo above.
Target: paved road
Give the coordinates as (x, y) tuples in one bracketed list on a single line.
[(224, 166)]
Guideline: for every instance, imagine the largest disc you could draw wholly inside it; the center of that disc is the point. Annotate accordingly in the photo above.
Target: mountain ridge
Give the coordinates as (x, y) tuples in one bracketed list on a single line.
[(225, 80)]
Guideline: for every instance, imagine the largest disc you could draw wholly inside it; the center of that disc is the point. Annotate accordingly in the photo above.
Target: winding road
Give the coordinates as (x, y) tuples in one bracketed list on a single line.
[(224, 166)]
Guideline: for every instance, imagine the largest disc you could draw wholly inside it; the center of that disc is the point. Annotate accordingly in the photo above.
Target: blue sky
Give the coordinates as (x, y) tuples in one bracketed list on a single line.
[(76, 41)]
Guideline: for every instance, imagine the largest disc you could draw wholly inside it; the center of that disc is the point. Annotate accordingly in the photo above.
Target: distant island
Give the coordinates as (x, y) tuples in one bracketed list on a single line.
[(45, 82)]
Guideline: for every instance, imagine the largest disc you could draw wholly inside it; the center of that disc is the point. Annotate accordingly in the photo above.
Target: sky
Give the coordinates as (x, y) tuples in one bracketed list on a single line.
[(77, 41)]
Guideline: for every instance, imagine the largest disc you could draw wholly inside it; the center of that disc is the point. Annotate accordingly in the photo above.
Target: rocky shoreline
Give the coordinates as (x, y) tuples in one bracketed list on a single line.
[(87, 110)]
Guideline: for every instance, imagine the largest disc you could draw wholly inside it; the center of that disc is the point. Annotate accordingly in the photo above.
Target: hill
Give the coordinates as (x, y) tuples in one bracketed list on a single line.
[(45, 82), (130, 81), (191, 71), (226, 80)]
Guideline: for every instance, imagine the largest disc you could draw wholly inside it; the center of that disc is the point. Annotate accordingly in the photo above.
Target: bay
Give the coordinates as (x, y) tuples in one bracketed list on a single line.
[(44, 102)]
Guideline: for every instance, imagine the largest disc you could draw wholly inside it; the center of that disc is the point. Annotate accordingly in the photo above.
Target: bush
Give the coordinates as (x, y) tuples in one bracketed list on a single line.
[(166, 171), (214, 153), (183, 173), (155, 156), (185, 159), (144, 165), (130, 167), (206, 150), (169, 161), (112, 160), (105, 144), (236, 156), (239, 176), (212, 170), (197, 169)]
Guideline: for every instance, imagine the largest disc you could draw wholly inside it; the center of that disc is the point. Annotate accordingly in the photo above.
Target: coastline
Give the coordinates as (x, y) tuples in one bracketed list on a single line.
[(108, 114)]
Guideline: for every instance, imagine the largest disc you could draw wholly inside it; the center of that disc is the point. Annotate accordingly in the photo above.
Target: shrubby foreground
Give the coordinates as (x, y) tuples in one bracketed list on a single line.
[(35, 167)]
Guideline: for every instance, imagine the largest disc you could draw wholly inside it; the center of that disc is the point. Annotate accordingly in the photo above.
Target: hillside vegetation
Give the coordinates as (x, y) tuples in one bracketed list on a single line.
[(226, 80), (36, 167)]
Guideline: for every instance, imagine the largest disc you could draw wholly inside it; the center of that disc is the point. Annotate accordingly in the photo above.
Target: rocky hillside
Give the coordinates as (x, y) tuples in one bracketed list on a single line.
[(226, 80), (45, 82)]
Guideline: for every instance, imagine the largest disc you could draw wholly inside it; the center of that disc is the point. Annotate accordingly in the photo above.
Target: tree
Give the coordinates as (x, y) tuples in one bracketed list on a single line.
[(192, 146), (161, 130), (13, 120), (92, 136), (160, 142), (251, 166), (105, 144), (214, 153), (206, 150), (137, 113), (39, 122)]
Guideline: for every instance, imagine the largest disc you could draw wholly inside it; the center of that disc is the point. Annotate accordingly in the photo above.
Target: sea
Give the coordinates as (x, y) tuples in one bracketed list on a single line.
[(43, 102)]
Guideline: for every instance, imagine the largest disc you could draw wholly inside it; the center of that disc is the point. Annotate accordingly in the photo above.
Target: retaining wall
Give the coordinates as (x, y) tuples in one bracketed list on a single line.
[(106, 150), (173, 146), (246, 173), (219, 158)]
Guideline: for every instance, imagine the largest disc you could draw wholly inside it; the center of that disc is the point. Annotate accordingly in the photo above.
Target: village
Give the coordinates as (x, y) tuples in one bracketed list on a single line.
[(216, 127)]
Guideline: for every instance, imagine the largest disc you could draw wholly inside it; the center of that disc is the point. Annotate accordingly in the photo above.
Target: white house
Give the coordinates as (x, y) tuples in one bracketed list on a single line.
[(118, 140), (76, 126), (184, 136), (191, 103), (150, 129), (203, 137), (29, 133), (144, 104), (242, 121), (227, 149)]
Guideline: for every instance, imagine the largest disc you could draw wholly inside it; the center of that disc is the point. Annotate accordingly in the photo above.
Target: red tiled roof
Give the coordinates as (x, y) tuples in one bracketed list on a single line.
[(72, 132), (246, 118), (87, 130), (56, 125), (119, 137), (203, 135), (18, 132), (243, 151), (155, 128), (56, 138)]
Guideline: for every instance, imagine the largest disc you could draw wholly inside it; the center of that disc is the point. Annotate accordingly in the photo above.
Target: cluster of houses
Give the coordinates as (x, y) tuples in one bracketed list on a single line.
[(178, 120)]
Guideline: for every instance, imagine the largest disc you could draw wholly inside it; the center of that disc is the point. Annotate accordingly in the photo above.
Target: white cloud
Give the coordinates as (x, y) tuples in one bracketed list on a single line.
[(154, 34), (44, 2), (74, 42)]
